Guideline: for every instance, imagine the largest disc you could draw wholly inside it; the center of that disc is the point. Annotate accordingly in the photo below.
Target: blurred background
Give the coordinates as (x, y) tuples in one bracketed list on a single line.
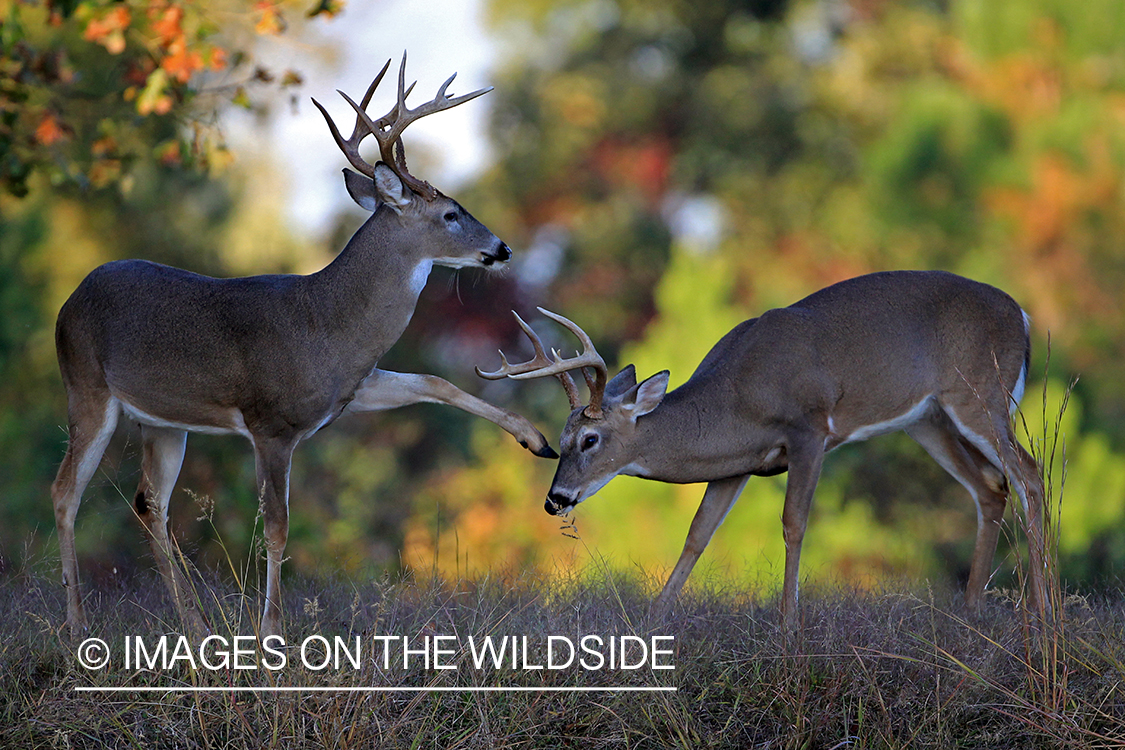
[(662, 169)]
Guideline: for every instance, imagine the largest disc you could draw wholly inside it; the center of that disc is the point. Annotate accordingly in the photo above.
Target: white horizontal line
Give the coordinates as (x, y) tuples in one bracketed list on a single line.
[(373, 689)]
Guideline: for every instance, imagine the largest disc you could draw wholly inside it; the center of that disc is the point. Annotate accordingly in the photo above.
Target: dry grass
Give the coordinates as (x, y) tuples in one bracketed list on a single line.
[(869, 670), (896, 669)]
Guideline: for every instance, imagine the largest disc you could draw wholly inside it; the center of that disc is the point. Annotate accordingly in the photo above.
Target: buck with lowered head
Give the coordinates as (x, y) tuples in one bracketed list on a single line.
[(937, 355), (272, 358)]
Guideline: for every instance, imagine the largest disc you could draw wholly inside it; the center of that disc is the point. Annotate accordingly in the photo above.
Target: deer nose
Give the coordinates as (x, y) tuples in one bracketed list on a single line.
[(557, 503), (499, 254)]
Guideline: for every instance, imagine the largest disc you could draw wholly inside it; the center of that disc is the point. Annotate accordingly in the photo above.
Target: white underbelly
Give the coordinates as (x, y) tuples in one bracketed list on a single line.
[(902, 421), (237, 425)]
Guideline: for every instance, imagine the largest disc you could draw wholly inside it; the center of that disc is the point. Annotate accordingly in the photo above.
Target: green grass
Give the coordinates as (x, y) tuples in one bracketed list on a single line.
[(883, 670)]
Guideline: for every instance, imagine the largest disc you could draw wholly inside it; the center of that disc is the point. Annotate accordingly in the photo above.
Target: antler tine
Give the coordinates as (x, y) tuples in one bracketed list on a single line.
[(363, 126), (389, 127), (587, 358), (375, 84), (536, 363), (542, 366), (506, 369), (350, 147), (555, 364), (444, 86), (361, 116)]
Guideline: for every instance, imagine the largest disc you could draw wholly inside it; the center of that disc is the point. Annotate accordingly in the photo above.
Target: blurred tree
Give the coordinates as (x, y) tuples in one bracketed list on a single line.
[(674, 168), (94, 90), (110, 148), (668, 168)]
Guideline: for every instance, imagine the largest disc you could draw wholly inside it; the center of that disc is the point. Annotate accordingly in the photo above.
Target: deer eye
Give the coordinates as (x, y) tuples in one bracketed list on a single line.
[(450, 216), (589, 442)]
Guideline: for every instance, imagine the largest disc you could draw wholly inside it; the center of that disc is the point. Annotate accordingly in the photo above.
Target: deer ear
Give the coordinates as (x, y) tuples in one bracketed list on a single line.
[(642, 399), (361, 189), (622, 381), (390, 189)]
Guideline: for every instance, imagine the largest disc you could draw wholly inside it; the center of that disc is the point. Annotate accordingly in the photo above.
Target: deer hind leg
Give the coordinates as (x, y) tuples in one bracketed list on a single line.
[(91, 425), (962, 461), (990, 432), (163, 455), (273, 458), (1028, 484), (717, 501)]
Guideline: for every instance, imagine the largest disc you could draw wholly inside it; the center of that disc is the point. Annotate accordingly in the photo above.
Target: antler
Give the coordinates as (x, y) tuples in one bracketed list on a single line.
[(350, 147), (388, 128), (542, 365)]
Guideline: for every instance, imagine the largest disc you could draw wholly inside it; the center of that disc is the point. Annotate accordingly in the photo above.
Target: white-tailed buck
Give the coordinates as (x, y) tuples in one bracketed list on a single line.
[(272, 358), (937, 355)]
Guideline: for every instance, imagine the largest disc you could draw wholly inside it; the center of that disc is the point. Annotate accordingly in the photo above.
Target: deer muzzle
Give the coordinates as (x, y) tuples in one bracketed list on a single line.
[(558, 504), (501, 254)]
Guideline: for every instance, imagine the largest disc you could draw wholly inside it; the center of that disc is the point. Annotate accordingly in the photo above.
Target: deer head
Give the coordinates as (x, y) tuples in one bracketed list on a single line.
[(454, 237), (599, 440)]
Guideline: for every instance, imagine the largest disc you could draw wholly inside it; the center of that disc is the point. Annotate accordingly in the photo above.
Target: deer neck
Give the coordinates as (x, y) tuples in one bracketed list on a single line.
[(693, 436), (366, 296)]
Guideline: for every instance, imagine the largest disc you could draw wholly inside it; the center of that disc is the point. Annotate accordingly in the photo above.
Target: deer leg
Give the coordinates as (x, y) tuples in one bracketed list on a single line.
[(91, 425), (1028, 484), (718, 499), (805, 461), (991, 434), (162, 457), (273, 459), (383, 390), (962, 461)]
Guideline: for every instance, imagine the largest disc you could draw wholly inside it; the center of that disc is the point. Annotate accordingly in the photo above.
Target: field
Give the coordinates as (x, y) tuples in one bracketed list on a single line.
[(565, 659), (520, 658), (872, 670)]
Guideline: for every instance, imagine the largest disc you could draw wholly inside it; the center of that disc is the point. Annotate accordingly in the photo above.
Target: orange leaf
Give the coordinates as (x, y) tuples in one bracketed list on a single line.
[(180, 62), (218, 59), (49, 130), (109, 31), (104, 171), (169, 27), (103, 146), (271, 21)]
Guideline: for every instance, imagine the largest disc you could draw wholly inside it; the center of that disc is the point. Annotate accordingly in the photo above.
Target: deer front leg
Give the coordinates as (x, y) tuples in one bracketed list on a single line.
[(383, 390), (717, 502), (273, 458), (805, 460), (163, 456)]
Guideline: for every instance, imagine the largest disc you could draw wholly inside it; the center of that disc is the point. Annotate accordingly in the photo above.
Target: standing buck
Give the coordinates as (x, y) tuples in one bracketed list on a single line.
[(934, 354), (272, 358)]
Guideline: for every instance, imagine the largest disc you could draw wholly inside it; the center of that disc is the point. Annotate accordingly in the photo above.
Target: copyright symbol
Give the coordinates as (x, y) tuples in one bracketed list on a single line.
[(93, 653)]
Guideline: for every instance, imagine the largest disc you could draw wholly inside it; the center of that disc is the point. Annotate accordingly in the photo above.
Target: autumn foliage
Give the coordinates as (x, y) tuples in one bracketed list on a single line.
[(165, 59)]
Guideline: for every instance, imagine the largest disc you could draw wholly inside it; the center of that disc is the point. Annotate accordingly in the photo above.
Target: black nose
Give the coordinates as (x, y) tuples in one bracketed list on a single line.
[(557, 503), (503, 253)]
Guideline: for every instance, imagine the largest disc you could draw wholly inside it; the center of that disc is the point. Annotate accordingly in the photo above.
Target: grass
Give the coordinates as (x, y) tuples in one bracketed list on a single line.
[(889, 669), (874, 670)]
